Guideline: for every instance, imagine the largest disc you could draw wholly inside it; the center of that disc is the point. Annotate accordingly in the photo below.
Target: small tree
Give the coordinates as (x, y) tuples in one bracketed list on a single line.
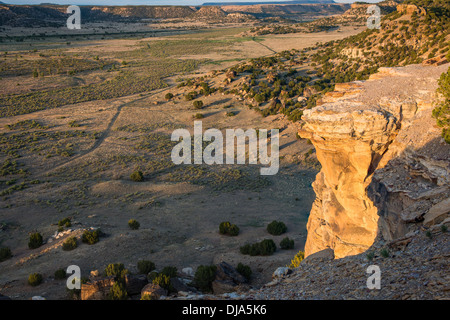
[(70, 244), (198, 104), (137, 176), (204, 276), (245, 270), (35, 240), (145, 266), (91, 236), (133, 224), (34, 279), (5, 254), (276, 228), (227, 228), (168, 96), (287, 243)]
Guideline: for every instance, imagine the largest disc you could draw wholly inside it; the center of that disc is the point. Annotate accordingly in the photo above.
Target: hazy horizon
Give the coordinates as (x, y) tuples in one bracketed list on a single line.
[(150, 2)]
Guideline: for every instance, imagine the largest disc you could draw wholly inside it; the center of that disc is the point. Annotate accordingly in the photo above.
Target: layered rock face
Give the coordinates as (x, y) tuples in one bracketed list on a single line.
[(364, 132)]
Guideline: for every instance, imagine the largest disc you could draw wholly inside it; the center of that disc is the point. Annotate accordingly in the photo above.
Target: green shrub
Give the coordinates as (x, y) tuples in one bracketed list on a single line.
[(91, 236), (35, 240), (191, 96), (384, 253), (168, 96), (117, 292), (5, 254), (34, 279), (117, 270), (163, 281), (137, 176), (444, 229), (60, 274), (145, 266), (245, 270), (66, 222), (199, 116), (276, 228), (227, 228), (295, 262), (133, 224), (204, 276), (287, 244), (171, 272), (198, 104), (70, 244), (370, 255), (263, 248)]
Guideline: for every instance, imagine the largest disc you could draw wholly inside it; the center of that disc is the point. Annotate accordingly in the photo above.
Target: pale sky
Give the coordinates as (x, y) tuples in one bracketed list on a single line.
[(146, 2)]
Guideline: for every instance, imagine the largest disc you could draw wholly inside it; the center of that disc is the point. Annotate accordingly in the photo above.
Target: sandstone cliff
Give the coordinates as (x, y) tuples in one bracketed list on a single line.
[(384, 164)]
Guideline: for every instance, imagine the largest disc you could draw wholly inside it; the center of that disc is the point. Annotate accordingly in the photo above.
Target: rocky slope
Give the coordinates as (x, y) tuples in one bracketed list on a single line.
[(384, 163)]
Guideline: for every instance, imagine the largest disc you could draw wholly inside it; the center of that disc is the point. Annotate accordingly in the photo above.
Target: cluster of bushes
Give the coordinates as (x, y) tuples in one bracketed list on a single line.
[(118, 290), (442, 112), (91, 236), (66, 222), (264, 248), (229, 229)]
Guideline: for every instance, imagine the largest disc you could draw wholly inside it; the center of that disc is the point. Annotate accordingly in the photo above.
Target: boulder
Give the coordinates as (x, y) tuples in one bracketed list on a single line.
[(179, 285), (281, 272), (154, 291), (188, 271), (437, 213), (97, 289), (226, 272), (38, 298), (135, 283)]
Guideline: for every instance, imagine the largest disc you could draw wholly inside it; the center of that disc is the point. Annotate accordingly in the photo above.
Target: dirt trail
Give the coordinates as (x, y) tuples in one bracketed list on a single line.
[(105, 133)]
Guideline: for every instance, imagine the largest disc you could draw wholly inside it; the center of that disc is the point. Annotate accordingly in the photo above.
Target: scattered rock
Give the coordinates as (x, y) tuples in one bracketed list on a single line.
[(281, 272), (97, 289), (437, 213), (154, 291), (135, 283), (178, 285), (188, 271), (227, 272)]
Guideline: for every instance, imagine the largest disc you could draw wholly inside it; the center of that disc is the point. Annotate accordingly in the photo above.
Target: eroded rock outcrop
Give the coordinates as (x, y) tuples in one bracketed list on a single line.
[(383, 162)]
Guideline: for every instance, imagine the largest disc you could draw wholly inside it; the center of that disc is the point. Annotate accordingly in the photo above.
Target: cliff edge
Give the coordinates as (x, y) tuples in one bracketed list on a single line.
[(384, 163)]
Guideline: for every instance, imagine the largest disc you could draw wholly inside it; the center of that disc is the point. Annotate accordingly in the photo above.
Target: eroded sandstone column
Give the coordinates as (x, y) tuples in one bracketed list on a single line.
[(350, 139)]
